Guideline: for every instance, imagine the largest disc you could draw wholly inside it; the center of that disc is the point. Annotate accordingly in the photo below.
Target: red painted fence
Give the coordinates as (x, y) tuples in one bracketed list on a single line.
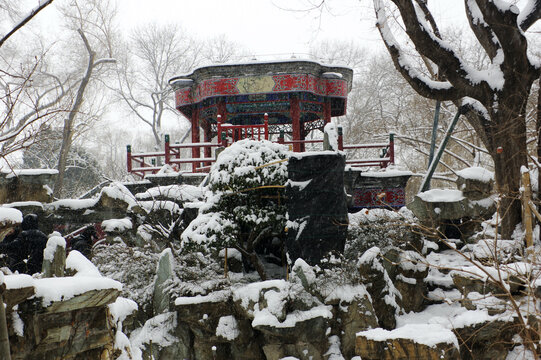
[(139, 164)]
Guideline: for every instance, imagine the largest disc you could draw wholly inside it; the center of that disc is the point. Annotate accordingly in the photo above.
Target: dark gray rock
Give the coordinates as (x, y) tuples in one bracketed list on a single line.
[(316, 206)]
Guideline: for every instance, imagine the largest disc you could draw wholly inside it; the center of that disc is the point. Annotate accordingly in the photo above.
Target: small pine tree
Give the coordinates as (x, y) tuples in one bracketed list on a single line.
[(244, 202)]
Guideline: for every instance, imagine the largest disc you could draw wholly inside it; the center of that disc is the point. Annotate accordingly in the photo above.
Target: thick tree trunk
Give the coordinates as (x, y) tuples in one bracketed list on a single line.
[(509, 152), (538, 128)]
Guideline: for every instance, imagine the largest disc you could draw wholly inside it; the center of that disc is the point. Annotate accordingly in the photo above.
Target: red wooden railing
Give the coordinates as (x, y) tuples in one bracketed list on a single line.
[(138, 163), (239, 132)]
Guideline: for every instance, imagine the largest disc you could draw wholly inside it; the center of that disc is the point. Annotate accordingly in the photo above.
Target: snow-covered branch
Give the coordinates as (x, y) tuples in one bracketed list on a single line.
[(441, 90), (530, 14), (26, 19)]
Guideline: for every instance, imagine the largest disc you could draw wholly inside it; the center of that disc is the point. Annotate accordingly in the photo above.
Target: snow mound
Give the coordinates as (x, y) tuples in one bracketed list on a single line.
[(476, 173), (10, 215), (441, 195), (52, 244), (228, 328), (117, 225), (426, 334)]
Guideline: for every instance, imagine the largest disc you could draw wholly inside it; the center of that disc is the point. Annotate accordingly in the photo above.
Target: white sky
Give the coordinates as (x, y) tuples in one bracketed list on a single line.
[(263, 26)]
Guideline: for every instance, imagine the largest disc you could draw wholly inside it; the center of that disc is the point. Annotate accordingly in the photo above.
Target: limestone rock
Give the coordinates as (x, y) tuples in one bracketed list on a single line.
[(411, 342), (354, 316), (438, 207), (10, 220), (476, 183), (234, 260), (386, 299), (486, 340), (202, 313), (471, 279), (164, 274), (409, 280), (27, 185)]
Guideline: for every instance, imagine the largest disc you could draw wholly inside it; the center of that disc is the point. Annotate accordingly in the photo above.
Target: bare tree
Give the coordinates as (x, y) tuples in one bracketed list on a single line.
[(95, 19), (219, 50), (156, 53), (30, 96), (495, 97)]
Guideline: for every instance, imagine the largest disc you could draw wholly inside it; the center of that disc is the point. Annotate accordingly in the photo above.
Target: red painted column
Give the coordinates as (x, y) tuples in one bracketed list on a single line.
[(195, 137), (391, 148), (167, 150), (128, 158), (266, 122), (219, 129), (222, 110), (303, 137), (207, 134), (327, 111), (295, 111)]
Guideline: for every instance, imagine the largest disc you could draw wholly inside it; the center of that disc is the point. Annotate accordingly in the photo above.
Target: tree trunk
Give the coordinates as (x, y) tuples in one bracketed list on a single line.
[(4, 336), (509, 152), (538, 128), (256, 262), (67, 135)]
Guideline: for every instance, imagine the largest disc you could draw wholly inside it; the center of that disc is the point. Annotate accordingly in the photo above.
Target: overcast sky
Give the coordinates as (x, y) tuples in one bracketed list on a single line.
[(265, 27)]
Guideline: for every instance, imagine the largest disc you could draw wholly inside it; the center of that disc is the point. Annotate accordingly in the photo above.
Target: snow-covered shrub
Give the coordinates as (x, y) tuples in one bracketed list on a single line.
[(244, 202), (382, 228), (134, 267)]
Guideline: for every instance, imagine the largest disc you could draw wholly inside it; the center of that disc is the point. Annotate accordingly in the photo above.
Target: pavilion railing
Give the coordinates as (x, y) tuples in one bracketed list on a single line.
[(151, 162), (239, 132)]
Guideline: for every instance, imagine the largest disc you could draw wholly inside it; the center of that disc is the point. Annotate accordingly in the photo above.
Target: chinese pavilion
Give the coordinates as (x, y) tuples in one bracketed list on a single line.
[(298, 96)]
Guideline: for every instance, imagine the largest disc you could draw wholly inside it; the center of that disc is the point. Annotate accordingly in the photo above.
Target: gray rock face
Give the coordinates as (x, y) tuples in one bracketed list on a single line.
[(27, 185), (386, 299), (463, 208), (404, 348), (475, 188), (486, 340), (317, 206), (275, 319), (164, 274), (356, 315)]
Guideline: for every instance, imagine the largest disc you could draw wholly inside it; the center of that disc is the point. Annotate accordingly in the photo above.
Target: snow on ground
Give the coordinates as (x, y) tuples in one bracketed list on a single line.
[(157, 330), (74, 204), (450, 316), (153, 205), (386, 172), (18, 281), (87, 278)]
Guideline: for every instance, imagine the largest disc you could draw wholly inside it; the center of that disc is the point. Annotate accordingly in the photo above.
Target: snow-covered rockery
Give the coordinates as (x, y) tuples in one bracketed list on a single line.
[(246, 179)]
